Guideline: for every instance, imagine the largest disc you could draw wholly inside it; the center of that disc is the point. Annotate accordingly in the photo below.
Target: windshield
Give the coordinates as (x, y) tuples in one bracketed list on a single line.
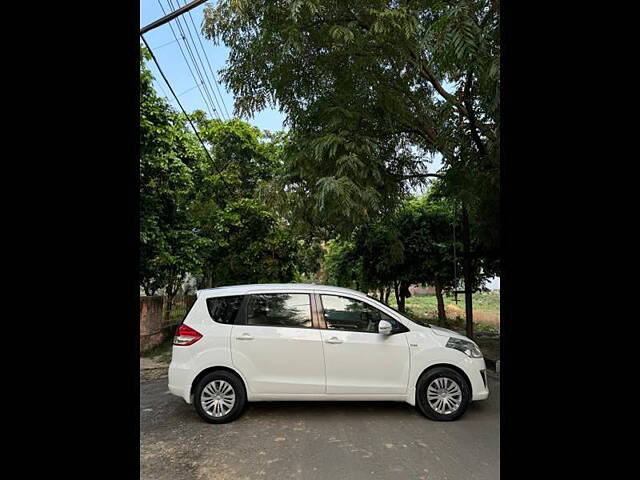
[(406, 315)]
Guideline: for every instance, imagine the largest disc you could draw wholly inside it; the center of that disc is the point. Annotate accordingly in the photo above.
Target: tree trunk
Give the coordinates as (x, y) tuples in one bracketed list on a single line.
[(170, 291), (396, 291), (386, 296), (382, 294), (467, 271), (404, 294), (442, 314)]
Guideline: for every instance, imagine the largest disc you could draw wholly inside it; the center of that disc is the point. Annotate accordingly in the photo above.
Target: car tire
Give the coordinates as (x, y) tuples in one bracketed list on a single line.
[(446, 383), (213, 394)]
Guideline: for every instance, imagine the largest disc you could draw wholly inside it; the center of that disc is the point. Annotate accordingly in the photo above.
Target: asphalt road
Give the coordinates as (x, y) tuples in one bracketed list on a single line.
[(317, 440)]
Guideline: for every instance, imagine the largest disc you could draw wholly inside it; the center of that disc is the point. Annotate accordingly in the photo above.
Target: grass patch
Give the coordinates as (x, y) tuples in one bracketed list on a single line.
[(486, 316), (486, 310)]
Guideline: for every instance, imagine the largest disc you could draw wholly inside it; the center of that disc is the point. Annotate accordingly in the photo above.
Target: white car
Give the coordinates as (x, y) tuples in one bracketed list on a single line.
[(253, 343)]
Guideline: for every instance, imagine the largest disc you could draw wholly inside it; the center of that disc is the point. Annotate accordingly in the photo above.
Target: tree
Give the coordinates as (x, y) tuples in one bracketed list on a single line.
[(427, 231), (247, 245), (342, 264), (204, 214), (372, 90), (380, 246), (309, 260), (413, 244), (248, 242), (169, 153)]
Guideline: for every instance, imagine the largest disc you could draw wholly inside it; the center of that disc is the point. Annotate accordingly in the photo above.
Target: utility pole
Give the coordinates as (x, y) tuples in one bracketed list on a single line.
[(171, 16), (467, 272)]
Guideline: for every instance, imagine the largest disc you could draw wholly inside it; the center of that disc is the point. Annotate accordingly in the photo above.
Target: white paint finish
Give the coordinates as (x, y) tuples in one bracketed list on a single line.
[(430, 351), (366, 362), (279, 360), (213, 349), (283, 363)]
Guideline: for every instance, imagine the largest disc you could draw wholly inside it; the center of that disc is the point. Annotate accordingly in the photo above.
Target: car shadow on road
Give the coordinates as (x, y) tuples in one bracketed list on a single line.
[(328, 409), (162, 408)]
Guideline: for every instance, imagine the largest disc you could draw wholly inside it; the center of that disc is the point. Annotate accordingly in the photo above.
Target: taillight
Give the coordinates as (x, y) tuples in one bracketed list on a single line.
[(186, 336)]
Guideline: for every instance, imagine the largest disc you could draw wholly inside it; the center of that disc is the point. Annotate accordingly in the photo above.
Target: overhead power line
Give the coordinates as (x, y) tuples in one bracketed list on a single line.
[(209, 64), (187, 90), (206, 85), (194, 76), (171, 16), (165, 44), (195, 47)]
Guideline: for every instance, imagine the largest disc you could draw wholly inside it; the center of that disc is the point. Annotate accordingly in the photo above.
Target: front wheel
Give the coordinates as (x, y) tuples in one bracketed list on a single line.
[(220, 397), (442, 394)]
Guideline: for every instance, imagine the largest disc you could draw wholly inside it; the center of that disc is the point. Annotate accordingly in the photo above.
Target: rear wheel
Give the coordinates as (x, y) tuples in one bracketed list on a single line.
[(442, 394), (220, 397)]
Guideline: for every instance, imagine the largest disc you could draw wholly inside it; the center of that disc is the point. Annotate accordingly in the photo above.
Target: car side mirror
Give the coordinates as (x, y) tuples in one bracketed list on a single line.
[(384, 327)]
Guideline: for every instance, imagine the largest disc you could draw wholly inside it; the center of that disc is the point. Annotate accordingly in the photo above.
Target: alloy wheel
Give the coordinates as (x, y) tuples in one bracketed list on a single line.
[(444, 395), (218, 398)]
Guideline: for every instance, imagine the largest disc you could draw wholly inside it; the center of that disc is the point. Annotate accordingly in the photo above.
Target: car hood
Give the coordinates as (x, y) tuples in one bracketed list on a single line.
[(445, 332)]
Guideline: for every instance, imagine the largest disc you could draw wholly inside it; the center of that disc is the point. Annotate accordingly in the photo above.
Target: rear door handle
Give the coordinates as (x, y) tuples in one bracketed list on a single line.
[(334, 340), (245, 336)]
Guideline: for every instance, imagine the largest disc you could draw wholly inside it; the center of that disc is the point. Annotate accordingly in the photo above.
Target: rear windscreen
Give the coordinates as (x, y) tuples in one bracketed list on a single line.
[(224, 309)]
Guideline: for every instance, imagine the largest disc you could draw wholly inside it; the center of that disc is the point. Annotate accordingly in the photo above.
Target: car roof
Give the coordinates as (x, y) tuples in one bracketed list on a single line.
[(245, 289)]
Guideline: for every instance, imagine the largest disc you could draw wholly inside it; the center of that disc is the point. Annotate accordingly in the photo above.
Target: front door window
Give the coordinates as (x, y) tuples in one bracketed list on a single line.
[(342, 313)]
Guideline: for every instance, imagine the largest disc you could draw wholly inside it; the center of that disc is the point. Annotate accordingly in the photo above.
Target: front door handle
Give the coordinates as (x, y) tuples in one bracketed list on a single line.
[(334, 340), (245, 336)]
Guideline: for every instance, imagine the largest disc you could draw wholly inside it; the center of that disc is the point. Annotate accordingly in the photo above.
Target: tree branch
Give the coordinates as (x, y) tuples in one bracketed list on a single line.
[(427, 75), (471, 115)]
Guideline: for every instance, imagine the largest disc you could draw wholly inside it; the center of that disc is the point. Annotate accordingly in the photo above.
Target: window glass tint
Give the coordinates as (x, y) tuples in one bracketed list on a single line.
[(280, 310), (341, 313), (224, 309)]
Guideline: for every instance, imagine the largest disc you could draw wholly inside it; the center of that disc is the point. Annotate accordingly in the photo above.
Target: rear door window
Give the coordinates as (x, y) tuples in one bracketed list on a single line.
[(280, 310), (224, 309)]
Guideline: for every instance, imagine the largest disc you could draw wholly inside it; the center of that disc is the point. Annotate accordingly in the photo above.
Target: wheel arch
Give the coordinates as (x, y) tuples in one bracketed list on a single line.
[(208, 370), (446, 365)]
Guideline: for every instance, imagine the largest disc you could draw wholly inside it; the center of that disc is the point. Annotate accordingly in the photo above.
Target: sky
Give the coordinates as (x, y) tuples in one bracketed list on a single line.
[(174, 67)]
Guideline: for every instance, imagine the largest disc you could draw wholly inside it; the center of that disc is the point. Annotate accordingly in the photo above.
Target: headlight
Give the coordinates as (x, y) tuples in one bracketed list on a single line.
[(465, 346)]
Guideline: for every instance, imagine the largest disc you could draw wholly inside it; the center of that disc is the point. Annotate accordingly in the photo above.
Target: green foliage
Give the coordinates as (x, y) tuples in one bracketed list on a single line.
[(206, 215), (412, 245), (342, 264), (426, 227), (248, 240), (248, 245), (169, 244), (309, 260), (371, 90)]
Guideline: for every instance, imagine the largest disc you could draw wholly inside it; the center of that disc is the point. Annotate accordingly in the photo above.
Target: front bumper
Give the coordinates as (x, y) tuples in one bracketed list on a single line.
[(477, 373)]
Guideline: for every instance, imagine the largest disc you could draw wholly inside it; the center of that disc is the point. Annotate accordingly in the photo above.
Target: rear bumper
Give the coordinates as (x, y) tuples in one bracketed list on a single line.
[(180, 382)]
